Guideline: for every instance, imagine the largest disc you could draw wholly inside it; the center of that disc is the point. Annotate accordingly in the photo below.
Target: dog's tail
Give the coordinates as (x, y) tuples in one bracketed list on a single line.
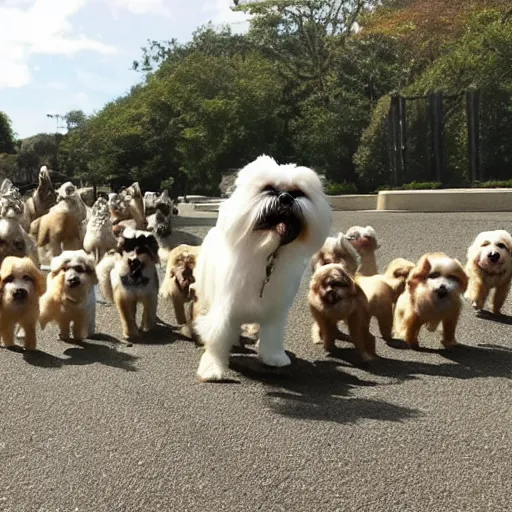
[(103, 270)]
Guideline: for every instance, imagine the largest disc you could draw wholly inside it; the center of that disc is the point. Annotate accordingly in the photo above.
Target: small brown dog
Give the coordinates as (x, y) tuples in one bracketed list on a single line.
[(489, 265), (364, 241), (69, 298), (179, 275), (337, 250), (382, 292), (334, 296), (21, 285), (432, 295), (129, 277)]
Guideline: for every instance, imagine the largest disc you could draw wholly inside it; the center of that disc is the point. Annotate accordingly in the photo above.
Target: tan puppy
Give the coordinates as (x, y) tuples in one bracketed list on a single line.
[(99, 238), (42, 199), (432, 295), (334, 296), (364, 241), (14, 240), (129, 277), (69, 298), (127, 209), (57, 231), (489, 265), (337, 250), (179, 275), (382, 292), (21, 285), (396, 275)]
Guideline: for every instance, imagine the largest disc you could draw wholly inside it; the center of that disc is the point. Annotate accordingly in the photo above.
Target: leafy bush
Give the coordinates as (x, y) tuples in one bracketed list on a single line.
[(339, 189)]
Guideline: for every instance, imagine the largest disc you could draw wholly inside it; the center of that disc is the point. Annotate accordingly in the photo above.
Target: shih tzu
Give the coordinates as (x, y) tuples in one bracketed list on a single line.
[(251, 263), (364, 241), (129, 277), (99, 237), (489, 265), (179, 276), (432, 296), (334, 296), (21, 286), (69, 300), (337, 249)]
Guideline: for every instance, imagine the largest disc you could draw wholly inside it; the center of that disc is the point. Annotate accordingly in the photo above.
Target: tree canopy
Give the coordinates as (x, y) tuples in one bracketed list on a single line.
[(310, 82)]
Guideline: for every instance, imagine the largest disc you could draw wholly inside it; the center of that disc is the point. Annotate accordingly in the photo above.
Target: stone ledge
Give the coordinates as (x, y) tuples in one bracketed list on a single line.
[(353, 202), (446, 200)]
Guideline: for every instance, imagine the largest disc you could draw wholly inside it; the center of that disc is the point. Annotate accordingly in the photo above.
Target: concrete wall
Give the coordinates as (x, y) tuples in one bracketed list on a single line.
[(448, 200), (353, 202)]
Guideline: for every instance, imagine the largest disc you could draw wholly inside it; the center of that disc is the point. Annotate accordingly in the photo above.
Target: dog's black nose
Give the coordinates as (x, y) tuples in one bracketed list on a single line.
[(442, 291), (74, 281), (20, 294), (285, 198), (494, 257)]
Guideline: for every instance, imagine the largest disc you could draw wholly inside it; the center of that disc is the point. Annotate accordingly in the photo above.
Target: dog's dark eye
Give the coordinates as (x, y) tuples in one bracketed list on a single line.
[(454, 278), (269, 189), (79, 269), (28, 278), (8, 279), (339, 283), (485, 244), (296, 193), (501, 245), (434, 275), (19, 245)]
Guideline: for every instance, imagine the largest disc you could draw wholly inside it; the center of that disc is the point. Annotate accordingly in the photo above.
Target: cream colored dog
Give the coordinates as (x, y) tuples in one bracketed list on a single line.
[(99, 237), (21, 285), (489, 266), (68, 300), (433, 295)]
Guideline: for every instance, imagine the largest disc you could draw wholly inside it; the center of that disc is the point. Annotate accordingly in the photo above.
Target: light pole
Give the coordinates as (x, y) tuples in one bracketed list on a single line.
[(57, 117)]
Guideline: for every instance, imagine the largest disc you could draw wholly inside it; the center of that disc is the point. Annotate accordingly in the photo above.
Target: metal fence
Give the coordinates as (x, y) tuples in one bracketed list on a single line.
[(451, 139)]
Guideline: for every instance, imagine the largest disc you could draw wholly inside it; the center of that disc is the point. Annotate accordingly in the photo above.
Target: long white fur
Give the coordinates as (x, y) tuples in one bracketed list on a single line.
[(231, 266)]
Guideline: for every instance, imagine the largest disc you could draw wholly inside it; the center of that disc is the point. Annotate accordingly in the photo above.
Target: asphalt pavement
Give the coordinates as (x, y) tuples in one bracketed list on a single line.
[(105, 427)]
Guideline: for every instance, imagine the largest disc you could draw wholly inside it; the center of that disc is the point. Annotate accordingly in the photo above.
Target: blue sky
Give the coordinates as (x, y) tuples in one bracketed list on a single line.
[(59, 55)]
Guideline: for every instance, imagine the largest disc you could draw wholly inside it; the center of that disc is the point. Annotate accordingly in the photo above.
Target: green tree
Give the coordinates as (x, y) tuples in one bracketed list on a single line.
[(7, 141)]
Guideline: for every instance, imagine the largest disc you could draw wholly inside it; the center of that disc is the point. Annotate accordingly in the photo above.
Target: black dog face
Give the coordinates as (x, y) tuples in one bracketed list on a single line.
[(139, 250)]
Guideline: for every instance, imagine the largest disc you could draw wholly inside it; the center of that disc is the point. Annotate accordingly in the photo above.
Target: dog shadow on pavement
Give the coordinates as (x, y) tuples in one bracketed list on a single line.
[(318, 390)]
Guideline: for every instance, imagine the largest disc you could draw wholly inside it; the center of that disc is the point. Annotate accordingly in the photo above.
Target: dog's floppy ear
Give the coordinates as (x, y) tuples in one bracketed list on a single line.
[(317, 260), (463, 277), (420, 272), (39, 279), (57, 264), (153, 247)]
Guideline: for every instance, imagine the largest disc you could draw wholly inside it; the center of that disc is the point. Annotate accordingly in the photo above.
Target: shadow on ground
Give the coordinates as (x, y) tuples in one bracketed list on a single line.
[(318, 391)]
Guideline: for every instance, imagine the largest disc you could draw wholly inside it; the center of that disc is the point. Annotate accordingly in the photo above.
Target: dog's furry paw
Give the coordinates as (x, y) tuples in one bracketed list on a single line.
[(277, 359), (211, 369), (432, 326)]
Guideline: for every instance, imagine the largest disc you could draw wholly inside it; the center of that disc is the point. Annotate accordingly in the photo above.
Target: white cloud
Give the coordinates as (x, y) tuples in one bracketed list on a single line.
[(56, 86), (143, 6), (30, 27)]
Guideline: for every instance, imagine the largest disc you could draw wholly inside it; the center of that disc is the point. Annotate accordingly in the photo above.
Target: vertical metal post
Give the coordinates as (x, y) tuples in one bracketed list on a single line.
[(436, 116), (403, 137), (473, 110), (394, 140), (391, 144)]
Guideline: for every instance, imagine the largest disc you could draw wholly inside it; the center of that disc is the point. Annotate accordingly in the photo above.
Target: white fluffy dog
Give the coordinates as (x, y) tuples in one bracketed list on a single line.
[(251, 263), (489, 265)]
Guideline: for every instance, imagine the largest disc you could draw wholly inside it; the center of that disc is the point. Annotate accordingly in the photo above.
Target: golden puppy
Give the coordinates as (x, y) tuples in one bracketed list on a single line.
[(396, 275), (334, 296), (337, 250), (364, 241), (129, 277), (21, 285), (382, 292), (58, 230), (69, 298), (179, 275), (489, 265), (432, 295)]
